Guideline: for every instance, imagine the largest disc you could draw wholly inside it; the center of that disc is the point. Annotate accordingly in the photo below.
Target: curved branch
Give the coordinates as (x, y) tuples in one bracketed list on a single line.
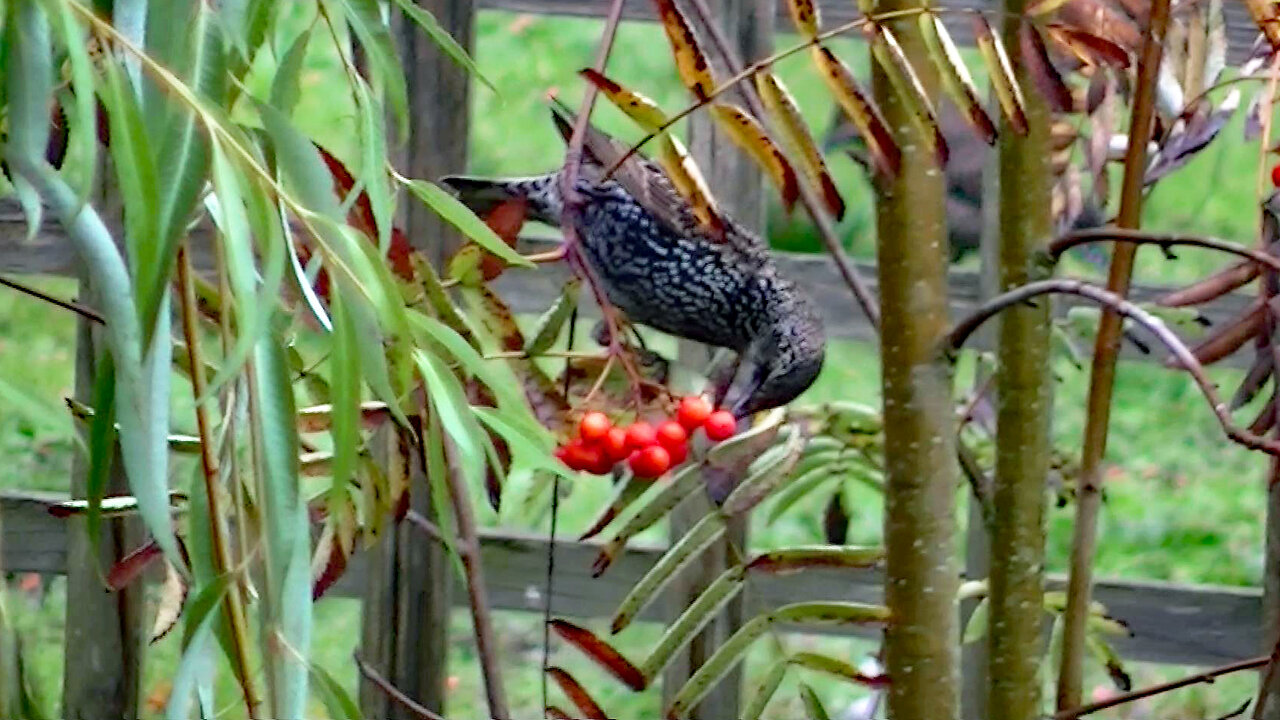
[(1208, 676), (966, 327), (1138, 237)]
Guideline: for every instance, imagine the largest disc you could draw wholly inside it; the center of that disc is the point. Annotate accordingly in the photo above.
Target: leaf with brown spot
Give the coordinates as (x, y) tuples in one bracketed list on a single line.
[(788, 560), (127, 569), (1267, 19), (600, 652), (691, 61), (1000, 71), (578, 695), (689, 182), (782, 107), (889, 54), (644, 111), (955, 76), (751, 136), (807, 17), (361, 217), (505, 220), (1090, 48), (863, 113), (1043, 73)]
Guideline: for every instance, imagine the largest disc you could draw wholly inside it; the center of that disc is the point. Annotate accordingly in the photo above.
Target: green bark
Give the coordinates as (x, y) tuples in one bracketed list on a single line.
[(921, 644), (1022, 385)]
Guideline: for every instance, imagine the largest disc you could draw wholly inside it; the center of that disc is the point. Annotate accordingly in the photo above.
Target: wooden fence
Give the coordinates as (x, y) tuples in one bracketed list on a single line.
[(403, 582)]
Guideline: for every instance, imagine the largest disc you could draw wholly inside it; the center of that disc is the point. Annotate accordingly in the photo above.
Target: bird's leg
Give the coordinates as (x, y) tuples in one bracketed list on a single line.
[(612, 323)]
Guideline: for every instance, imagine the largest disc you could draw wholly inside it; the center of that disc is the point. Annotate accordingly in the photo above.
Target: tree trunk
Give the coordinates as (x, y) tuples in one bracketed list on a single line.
[(1023, 386), (921, 644)]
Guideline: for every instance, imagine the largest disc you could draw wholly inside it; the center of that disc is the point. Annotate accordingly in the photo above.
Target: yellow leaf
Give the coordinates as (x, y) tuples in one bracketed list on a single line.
[(694, 67), (806, 16), (795, 133), (644, 111), (860, 110), (751, 136), (688, 180), (1001, 73), (955, 76), (889, 54)]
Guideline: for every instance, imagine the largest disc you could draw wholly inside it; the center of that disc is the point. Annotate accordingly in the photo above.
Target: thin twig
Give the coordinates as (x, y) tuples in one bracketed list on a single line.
[(81, 310), (468, 547), (1123, 309), (1209, 676), (392, 691), (428, 528), (1138, 237)]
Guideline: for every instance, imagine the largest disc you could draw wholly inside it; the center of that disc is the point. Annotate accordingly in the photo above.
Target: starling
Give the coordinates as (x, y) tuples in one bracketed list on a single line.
[(662, 268)]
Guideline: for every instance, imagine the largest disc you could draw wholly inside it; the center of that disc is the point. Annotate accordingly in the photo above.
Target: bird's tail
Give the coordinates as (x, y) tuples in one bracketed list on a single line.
[(482, 195)]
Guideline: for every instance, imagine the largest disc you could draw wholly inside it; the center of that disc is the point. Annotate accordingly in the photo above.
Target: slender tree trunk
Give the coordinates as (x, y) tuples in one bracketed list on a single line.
[(1102, 377), (1022, 413), (921, 644)]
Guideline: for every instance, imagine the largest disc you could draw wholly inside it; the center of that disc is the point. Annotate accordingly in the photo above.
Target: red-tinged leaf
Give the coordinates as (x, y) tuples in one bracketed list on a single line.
[(1192, 133), (888, 52), (787, 118), (361, 217), (691, 61), (555, 713), (806, 16), (864, 115), (838, 668), (128, 568), (1090, 48), (505, 220), (1046, 76), (588, 708), (600, 652), (788, 560), (1214, 286), (955, 77), (1100, 18), (329, 563), (999, 69)]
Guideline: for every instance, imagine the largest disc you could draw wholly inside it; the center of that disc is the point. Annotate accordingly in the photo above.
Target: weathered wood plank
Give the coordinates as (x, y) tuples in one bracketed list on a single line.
[(1172, 623)]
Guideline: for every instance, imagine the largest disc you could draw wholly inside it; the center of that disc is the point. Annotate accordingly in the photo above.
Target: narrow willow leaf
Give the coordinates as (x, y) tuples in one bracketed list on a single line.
[(802, 557), (83, 143), (976, 628), (1036, 56), (1000, 71), (588, 708), (376, 198), (691, 61), (285, 85), (551, 323), (906, 82), (858, 107), (461, 217), (365, 19), (337, 701), (30, 80), (669, 495), (751, 136), (688, 181), (807, 17), (787, 118), (695, 617), (765, 475), (641, 109), (197, 659), (812, 704), (600, 652), (686, 550), (831, 612), (955, 76), (725, 658), (455, 416), (834, 666), (134, 165), (765, 690), (443, 40), (344, 378)]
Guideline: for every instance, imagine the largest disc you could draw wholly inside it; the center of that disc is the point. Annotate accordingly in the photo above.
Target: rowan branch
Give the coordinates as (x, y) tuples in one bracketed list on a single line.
[(392, 691), (1138, 237), (1209, 676)]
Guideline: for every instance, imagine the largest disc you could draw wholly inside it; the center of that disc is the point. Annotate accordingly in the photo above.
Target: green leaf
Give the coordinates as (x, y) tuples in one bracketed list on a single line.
[(686, 550), (461, 217), (83, 143), (337, 701), (802, 485), (832, 612), (134, 164), (725, 658), (285, 89), (30, 79), (443, 39), (547, 329), (455, 416), (344, 374), (196, 664), (373, 165), (812, 704), (976, 628), (831, 666), (365, 19), (668, 495), (764, 690), (694, 618), (766, 474)]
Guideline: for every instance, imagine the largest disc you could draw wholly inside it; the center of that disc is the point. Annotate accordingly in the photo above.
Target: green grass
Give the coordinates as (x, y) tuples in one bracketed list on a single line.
[(1183, 504)]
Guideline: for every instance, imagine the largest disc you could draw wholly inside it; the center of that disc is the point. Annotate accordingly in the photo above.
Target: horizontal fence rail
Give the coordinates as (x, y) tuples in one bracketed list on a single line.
[(533, 291), (1175, 624)]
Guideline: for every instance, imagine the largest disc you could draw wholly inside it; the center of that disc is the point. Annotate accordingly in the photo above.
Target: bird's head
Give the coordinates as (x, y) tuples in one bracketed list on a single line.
[(782, 362)]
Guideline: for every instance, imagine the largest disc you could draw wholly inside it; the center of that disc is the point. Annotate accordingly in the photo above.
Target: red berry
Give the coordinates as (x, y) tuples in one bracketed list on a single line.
[(640, 436), (670, 434), (594, 461), (679, 453), (574, 455), (615, 444), (721, 425), (594, 426), (1275, 176), (650, 462), (693, 412)]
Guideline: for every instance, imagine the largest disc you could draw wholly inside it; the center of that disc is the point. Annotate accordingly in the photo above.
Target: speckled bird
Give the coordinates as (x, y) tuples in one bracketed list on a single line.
[(662, 268)]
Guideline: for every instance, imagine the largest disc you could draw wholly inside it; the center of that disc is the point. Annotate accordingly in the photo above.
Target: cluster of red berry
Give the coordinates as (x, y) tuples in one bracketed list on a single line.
[(649, 450)]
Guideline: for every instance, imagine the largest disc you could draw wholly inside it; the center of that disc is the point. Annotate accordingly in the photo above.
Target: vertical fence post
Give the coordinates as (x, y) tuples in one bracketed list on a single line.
[(103, 639), (737, 185), (406, 604)]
